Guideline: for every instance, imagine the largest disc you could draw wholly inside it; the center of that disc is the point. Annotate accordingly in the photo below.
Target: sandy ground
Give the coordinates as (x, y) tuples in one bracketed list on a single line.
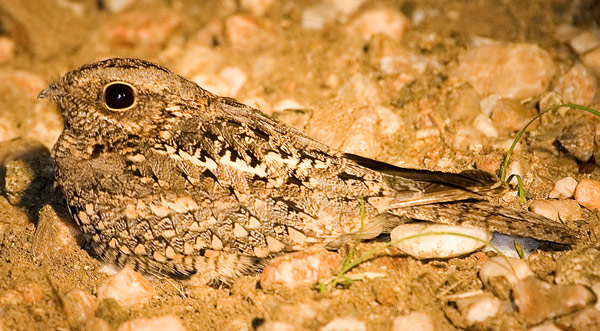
[(308, 66)]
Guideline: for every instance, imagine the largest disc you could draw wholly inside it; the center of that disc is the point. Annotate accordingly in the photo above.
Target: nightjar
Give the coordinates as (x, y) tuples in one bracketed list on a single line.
[(174, 180)]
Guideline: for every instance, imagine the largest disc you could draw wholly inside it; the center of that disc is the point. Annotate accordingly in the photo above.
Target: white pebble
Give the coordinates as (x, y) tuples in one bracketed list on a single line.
[(487, 104), (563, 188), (345, 324), (512, 269), (315, 17), (116, 6), (584, 42), (484, 124), (449, 244), (481, 308), (414, 321), (128, 288)]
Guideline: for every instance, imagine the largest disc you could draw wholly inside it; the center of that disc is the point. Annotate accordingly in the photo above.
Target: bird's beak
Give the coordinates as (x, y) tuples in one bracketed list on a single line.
[(52, 92)]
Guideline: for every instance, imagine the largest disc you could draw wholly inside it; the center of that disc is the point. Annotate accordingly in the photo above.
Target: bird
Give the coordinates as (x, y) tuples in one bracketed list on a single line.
[(162, 175)]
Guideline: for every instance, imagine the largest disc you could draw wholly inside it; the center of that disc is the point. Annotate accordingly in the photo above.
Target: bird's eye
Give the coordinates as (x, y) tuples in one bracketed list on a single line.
[(119, 96)]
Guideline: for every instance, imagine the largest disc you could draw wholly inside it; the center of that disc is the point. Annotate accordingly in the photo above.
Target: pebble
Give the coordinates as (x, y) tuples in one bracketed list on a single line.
[(345, 324), (510, 115), (592, 60), (162, 323), (564, 188), (484, 124), (499, 274), (31, 292), (578, 140), (488, 103), (565, 210), (116, 6), (128, 288), (387, 21), (516, 71), (537, 300), (360, 90), (584, 42), (56, 233), (579, 267), (96, 324), (345, 7), (7, 49), (596, 289), (317, 16), (300, 269), (587, 320), (546, 326), (247, 33), (414, 321), (478, 308), (276, 326), (144, 29), (79, 306), (226, 82), (587, 193), (438, 246), (256, 7), (577, 85), (465, 104)]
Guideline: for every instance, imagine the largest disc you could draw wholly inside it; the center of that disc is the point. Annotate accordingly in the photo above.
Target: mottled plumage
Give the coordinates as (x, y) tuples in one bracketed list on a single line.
[(172, 179)]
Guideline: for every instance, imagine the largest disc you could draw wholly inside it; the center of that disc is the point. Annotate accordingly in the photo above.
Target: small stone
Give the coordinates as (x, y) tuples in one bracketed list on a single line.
[(592, 60), (116, 6), (248, 34), (584, 42), (301, 269), (56, 233), (510, 115), (387, 21), (579, 267), (537, 300), (587, 319), (587, 193), (256, 7), (516, 71), (596, 289), (546, 326), (478, 308), (96, 324), (79, 306), (276, 326), (226, 82), (488, 103), (128, 288), (315, 17), (577, 85), (163, 323), (134, 29), (7, 49), (465, 104), (345, 324), (578, 139), (31, 292), (484, 124), (499, 274), (564, 188), (345, 7), (361, 90), (566, 210), (438, 245), (414, 321)]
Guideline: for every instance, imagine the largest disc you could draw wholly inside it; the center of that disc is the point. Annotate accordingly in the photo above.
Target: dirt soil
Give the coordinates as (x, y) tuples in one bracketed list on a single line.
[(53, 37)]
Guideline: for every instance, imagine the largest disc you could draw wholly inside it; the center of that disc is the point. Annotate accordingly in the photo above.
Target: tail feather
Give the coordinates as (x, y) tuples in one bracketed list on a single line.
[(482, 214)]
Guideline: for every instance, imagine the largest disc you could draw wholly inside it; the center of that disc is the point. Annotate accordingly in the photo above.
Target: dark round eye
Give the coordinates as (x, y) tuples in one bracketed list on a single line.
[(119, 96)]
